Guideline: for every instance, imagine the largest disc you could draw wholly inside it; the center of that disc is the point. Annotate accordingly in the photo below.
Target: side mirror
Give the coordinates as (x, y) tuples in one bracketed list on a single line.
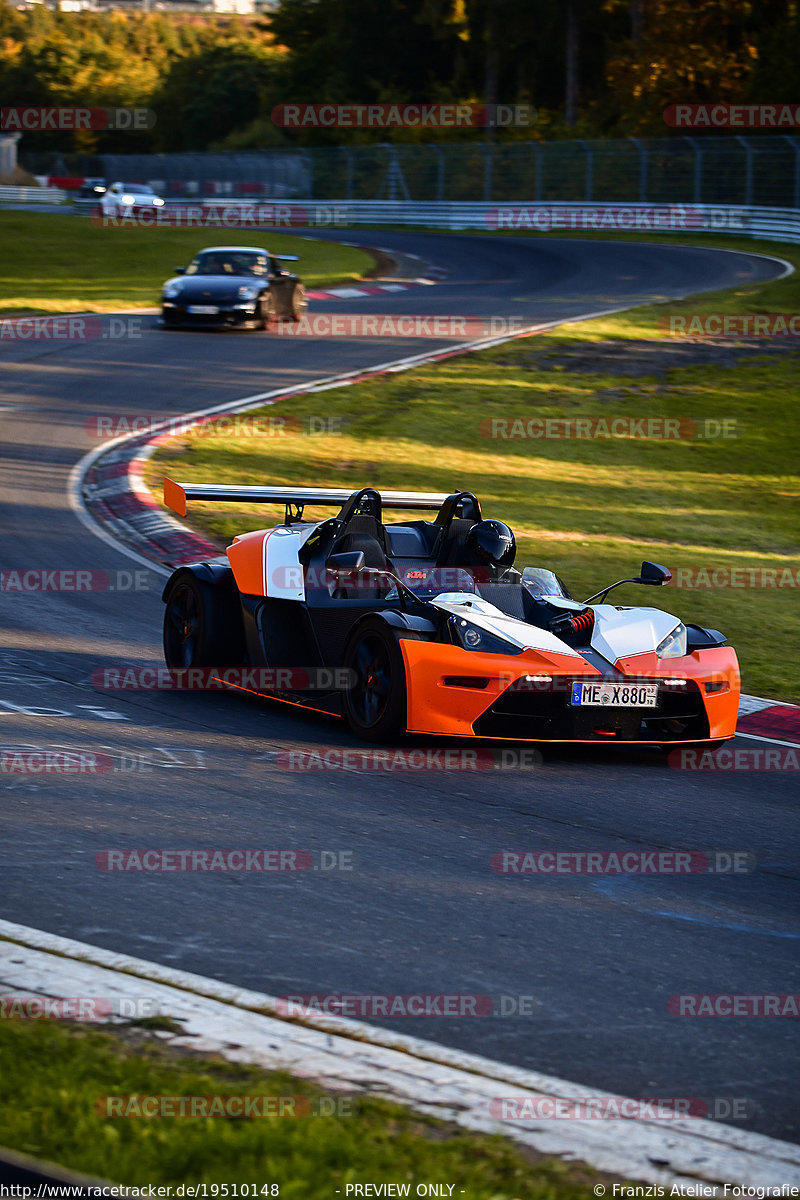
[(654, 574), (180, 270), (349, 562)]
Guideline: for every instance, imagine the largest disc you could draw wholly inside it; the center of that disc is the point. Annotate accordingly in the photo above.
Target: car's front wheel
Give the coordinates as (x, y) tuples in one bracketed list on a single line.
[(375, 700)]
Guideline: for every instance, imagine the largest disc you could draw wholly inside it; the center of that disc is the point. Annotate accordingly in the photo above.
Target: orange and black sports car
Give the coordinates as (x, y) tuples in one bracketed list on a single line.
[(425, 626)]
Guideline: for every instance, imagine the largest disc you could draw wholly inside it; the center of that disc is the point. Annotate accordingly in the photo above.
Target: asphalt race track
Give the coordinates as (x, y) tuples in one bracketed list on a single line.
[(421, 911)]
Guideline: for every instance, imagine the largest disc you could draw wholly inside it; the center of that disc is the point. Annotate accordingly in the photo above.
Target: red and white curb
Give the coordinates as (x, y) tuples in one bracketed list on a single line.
[(429, 275), (770, 720), (373, 289), (351, 1056)]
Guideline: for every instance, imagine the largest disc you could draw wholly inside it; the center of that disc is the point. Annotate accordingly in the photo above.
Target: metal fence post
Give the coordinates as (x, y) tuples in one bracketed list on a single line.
[(589, 185), (537, 149), (748, 170), (348, 157), (394, 178), (642, 167), (308, 161), (698, 169), (439, 153), (487, 171)]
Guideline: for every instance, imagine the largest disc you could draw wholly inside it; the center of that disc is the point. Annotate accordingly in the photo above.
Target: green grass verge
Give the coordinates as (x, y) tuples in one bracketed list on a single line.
[(591, 509), (53, 1076), (55, 263)]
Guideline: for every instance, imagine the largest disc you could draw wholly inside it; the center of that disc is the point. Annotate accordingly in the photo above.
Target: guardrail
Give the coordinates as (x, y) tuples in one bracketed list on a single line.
[(31, 195), (770, 224), (776, 224)]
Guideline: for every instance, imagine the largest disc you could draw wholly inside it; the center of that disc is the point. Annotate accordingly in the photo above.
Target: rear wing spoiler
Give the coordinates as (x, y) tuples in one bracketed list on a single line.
[(287, 257), (177, 494)]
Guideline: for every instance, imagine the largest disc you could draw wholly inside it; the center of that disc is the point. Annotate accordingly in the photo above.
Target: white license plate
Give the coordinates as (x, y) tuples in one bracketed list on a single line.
[(615, 695), (203, 310)]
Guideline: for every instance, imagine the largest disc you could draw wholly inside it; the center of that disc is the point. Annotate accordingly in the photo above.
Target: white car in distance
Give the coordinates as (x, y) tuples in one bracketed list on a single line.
[(120, 199)]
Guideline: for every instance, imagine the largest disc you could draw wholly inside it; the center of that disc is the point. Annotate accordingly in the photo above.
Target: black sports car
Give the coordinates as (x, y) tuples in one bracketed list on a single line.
[(233, 285)]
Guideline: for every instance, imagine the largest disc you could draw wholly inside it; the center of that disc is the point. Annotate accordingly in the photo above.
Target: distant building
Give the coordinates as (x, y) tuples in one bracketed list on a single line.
[(245, 8), (236, 7), (232, 6), (8, 152)]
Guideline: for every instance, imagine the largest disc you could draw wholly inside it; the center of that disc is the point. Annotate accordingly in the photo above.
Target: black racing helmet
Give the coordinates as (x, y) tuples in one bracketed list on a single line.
[(490, 544)]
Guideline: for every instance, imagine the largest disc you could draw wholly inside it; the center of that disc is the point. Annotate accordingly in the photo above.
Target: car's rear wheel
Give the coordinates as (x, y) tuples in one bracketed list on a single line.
[(299, 302), (202, 626), (375, 700)]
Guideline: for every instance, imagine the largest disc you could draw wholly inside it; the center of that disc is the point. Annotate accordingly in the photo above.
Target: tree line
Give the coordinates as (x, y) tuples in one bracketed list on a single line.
[(590, 68)]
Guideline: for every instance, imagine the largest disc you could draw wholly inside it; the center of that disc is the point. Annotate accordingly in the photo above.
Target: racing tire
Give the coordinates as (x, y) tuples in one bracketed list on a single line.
[(260, 318), (375, 704), (269, 307), (299, 303), (202, 626)]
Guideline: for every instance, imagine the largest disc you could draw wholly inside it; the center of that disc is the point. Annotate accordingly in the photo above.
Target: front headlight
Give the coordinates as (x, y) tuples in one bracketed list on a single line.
[(158, 202), (674, 644), (128, 199), (473, 637), (172, 291), (247, 292)]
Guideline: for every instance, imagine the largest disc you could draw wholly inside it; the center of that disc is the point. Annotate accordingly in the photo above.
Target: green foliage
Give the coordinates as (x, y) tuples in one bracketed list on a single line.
[(215, 80), (206, 94), (67, 264), (54, 1076), (145, 60)]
